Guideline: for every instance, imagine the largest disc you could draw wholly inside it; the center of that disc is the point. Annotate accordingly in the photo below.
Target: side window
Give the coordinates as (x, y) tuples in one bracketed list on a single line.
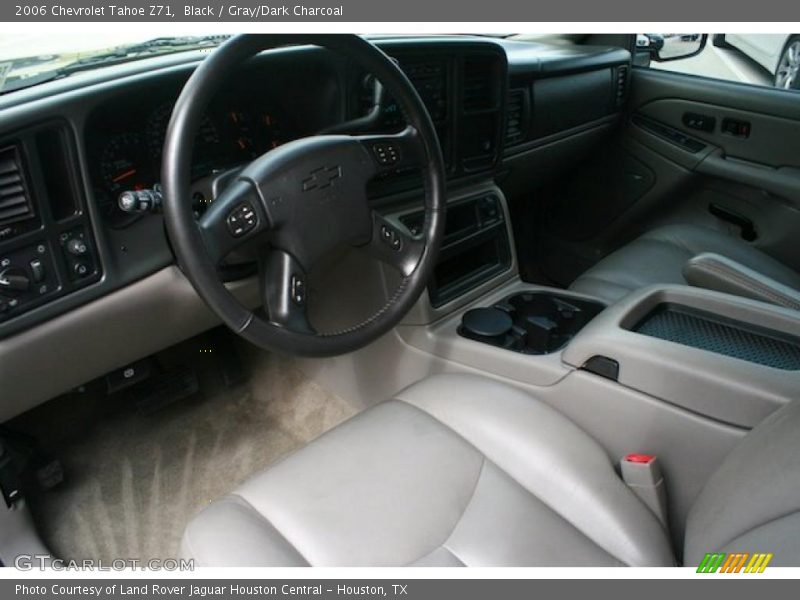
[(768, 59)]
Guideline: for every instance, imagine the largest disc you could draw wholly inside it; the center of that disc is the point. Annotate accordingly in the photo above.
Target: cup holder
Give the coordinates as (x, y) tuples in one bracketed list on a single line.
[(530, 322)]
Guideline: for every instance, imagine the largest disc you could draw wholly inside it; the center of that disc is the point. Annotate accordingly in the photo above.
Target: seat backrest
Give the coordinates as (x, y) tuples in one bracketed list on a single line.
[(752, 502)]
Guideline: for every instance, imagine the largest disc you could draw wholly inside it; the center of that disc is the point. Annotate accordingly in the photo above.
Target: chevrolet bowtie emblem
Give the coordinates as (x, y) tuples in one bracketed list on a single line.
[(321, 178)]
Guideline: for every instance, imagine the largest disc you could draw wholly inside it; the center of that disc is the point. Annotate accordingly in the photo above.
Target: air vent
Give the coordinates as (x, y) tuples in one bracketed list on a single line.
[(621, 83), (430, 80), (15, 203), (516, 116), (480, 86)]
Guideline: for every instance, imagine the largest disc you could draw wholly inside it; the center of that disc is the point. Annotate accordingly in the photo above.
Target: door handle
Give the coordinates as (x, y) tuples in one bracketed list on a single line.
[(748, 229)]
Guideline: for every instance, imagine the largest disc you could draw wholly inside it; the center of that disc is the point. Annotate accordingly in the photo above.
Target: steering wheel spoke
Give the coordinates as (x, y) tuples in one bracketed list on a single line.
[(393, 152), (284, 291), (393, 246), (235, 217)]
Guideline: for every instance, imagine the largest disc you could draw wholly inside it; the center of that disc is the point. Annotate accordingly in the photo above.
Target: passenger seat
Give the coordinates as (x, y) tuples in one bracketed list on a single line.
[(692, 255)]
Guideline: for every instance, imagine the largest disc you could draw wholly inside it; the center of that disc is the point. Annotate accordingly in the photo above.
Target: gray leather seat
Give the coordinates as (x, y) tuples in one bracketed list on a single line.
[(463, 470), (662, 256)]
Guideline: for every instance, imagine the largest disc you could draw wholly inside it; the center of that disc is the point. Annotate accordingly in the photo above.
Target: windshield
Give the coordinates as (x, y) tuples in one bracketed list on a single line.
[(27, 59)]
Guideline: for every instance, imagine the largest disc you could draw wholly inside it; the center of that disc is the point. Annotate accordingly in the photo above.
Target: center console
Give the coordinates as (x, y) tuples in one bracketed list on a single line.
[(476, 246)]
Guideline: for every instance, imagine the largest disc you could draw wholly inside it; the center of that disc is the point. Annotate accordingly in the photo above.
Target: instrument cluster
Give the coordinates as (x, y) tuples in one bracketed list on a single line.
[(126, 144)]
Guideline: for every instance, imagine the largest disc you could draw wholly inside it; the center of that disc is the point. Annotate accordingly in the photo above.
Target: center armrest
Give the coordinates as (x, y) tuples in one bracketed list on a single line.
[(733, 359), (715, 272)]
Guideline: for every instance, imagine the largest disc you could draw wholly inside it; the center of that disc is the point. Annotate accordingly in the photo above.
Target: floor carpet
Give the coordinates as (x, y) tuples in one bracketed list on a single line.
[(133, 480)]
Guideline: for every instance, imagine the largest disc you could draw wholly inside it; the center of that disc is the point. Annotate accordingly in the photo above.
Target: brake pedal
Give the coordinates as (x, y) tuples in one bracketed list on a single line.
[(232, 373)]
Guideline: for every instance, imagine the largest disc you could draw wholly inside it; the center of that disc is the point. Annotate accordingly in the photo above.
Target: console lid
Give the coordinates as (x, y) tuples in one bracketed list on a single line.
[(732, 359)]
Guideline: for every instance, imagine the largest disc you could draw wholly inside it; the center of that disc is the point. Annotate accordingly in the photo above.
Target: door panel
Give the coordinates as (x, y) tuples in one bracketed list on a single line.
[(771, 141), (752, 179)]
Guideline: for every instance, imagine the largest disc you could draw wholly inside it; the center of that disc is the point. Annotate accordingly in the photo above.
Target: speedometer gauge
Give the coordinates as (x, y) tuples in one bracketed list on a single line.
[(124, 164), (206, 142)]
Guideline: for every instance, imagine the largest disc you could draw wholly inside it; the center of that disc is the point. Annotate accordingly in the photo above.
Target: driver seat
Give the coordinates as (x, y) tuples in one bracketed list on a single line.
[(463, 470)]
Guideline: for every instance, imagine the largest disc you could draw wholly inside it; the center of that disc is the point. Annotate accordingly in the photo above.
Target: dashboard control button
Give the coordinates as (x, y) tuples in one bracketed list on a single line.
[(242, 219), (81, 269), (699, 122), (77, 247), (37, 270), (14, 279)]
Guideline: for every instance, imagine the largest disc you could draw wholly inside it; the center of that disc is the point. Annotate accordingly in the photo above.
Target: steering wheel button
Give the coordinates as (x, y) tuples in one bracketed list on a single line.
[(241, 219), (298, 290), (386, 154)]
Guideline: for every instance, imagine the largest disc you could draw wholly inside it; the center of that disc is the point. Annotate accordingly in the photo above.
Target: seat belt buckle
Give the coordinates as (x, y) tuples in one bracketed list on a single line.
[(642, 474)]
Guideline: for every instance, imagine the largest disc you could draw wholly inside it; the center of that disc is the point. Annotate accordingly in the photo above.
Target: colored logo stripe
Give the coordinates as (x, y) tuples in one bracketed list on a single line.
[(711, 562), (758, 563), (734, 563)]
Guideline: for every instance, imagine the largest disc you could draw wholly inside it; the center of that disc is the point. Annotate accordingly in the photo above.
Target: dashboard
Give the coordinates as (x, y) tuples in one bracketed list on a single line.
[(78, 273)]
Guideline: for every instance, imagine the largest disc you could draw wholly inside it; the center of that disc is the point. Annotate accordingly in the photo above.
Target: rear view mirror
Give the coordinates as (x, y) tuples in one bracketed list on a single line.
[(664, 47)]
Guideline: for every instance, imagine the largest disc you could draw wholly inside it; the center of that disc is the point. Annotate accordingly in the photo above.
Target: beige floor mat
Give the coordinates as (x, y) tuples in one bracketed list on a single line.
[(134, 481)]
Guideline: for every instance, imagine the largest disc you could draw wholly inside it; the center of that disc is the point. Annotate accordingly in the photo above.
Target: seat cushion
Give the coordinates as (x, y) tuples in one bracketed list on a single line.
[(660, 255), (752, 502), (457, 470)]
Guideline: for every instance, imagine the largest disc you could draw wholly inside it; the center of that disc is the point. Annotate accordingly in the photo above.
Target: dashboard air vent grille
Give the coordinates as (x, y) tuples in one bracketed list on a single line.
[(15, 203), (515, 123), (479, 83), (430, 80)]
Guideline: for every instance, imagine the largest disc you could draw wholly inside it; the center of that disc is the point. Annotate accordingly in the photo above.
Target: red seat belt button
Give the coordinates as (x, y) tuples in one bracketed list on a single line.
[(639, 458)]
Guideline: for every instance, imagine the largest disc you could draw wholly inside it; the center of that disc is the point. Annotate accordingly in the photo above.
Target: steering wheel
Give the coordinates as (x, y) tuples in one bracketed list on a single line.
[(299, 201)]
